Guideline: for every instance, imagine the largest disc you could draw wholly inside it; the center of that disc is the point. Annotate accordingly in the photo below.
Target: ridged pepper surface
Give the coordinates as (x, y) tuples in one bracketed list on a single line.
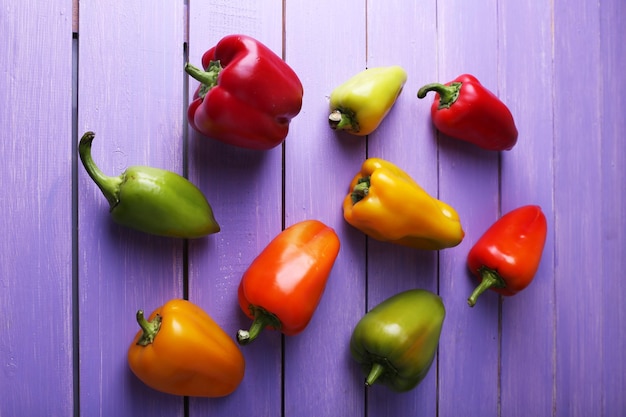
[(506, 257), (284, 284), (181, 350), (385, 203), (247, 96), (397, 340), (464, 109)]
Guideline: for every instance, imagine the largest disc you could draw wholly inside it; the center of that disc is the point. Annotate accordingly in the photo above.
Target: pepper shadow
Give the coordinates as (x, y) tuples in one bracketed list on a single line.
[(453, 147), (222, 157), (394, 268), (153, 259), (347, 143)]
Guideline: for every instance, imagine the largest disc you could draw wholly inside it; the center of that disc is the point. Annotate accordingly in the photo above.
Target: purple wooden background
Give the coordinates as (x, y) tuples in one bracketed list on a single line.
[(71, 281)]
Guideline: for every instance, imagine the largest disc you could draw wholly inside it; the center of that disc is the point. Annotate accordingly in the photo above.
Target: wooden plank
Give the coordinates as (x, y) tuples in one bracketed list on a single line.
[(75, 16), (244, 188), (613, 165), (579, 206), (527, 330), (407, 139), (36, 180), (468, 181), (325, 45), (131, 96), (554, 349)]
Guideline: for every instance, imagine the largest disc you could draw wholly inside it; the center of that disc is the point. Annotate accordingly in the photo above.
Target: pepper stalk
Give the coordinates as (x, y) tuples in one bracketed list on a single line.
[(149, 328), (262, 319), (447, 94), (208, 77), (110, 186), (490, 279)]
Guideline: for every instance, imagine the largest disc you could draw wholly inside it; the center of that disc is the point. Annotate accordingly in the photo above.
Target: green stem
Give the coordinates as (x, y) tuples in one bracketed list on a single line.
[(490, 279), (110, 186), (360, 190), (376, 371), (207, 78), (343, 120), (149, 328), (262, 319), (448, 94)]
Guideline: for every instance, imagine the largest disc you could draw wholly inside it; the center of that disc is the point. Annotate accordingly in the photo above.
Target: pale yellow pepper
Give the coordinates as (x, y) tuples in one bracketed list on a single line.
[(386, 204), (360, 104)]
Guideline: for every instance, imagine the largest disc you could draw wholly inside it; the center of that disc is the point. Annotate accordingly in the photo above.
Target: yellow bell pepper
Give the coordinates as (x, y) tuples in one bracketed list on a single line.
[(360, 104), (386, 204)]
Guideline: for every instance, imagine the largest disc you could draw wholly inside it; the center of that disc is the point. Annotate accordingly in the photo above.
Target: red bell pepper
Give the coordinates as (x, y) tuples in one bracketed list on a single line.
[(506, 257), (283, 286), (466, 110), (248, 94)]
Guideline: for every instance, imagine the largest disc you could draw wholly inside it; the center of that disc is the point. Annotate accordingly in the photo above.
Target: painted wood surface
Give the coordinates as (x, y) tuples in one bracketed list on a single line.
[(71, 280), (36, 180)]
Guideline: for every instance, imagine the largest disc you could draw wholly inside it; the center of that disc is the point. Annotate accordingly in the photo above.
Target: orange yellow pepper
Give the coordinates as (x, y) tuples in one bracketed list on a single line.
[(180, 350), (284, 284), (386, 204)]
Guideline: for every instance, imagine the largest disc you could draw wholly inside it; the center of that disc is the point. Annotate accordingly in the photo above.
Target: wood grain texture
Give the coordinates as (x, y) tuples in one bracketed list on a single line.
[(468, 181), (70, 278), (75, 16), (577, 198), (130, 94), (244, 188), (407, 139), (36, 376), (527, 177), (613, 189), (320, 376)]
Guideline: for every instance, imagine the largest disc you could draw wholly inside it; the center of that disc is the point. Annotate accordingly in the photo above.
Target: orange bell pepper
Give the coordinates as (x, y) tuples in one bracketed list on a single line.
[(284, 284), (180, 350)]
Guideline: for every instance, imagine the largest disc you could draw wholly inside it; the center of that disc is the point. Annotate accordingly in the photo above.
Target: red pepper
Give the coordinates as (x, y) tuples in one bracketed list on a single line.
[(506, 257), (248, 94), (466, 110), (283, 286)]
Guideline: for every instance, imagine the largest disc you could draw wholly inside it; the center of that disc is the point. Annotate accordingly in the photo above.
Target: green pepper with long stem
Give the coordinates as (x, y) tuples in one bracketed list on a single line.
[(396, 341), (152, 200)]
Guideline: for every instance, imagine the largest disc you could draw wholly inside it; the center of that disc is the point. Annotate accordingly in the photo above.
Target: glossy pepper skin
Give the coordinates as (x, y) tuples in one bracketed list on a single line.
[(359, 105), (180, 350), (284, 284), (152, 200), (248, 94), (466, 110), (506, 257), (397, 340), (385, 203)]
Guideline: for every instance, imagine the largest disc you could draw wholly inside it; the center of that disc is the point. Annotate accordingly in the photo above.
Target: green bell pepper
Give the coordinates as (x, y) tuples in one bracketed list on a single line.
[(152, 200), (396, 341)]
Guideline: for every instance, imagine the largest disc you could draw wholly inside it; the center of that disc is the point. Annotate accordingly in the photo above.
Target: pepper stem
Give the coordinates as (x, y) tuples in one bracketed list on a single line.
[(448, 94), (208, 78), (150, 328), (343, 120), (376, 371), (360, 190), (110, 186), (262, 319), (490, 279)]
